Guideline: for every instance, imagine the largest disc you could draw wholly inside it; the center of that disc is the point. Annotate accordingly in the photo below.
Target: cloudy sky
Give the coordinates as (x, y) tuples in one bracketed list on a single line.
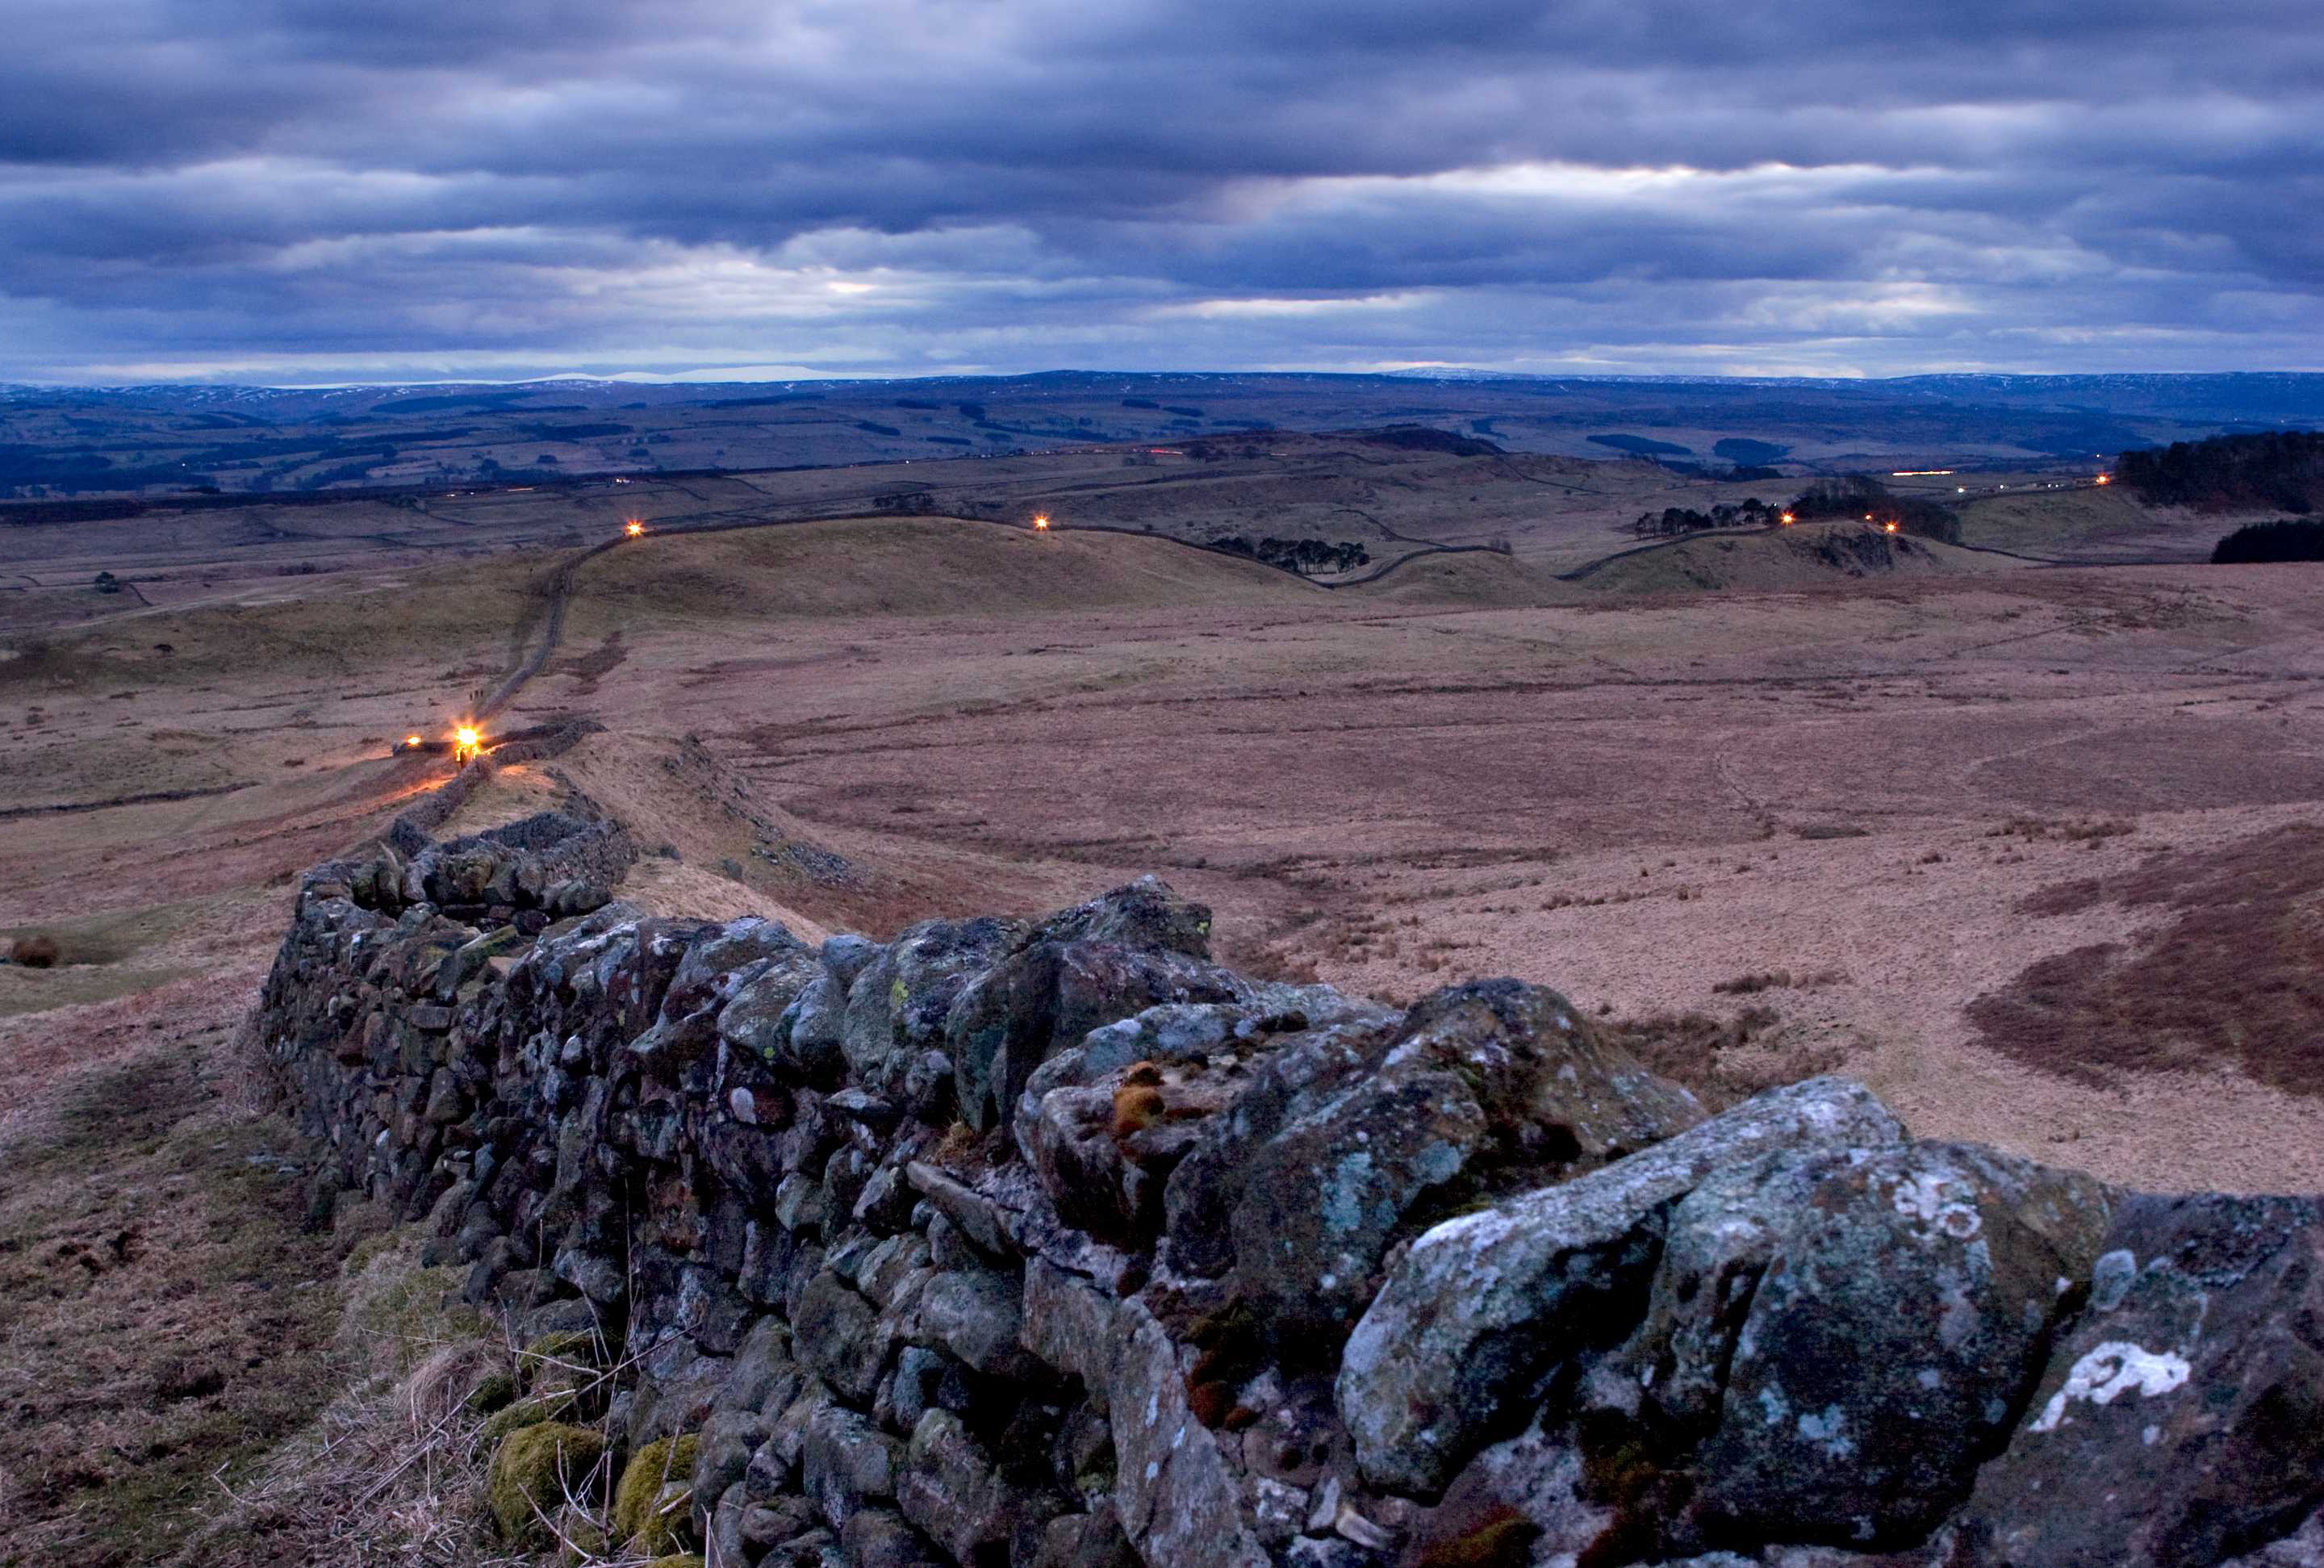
[(304, 191)]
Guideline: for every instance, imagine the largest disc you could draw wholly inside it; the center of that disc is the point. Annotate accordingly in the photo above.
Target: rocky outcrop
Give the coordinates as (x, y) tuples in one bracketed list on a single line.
[(1055, 1242)]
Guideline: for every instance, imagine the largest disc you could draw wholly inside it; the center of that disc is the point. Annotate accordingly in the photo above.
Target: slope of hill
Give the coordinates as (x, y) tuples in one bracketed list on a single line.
[(1792, 558), (919, 566)]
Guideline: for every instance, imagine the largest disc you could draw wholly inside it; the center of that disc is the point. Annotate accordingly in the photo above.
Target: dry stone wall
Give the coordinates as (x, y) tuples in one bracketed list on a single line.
[(1055, 1242)]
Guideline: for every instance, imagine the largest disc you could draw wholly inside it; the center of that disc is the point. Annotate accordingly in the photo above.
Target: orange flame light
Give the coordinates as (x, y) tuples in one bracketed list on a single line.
[(1890, 525), (466, 742), (2106, 479), (1786, 518), (1040, 522), (633, 527), (414, 739)]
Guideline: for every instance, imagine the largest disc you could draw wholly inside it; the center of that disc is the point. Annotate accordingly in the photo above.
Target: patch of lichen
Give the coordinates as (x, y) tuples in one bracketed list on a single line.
[(644, 1519), (533, 1471)]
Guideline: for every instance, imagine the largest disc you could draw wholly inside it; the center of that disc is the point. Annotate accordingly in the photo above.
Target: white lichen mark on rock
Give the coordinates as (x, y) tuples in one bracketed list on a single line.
[(1927, 1196), (2109, 1372)]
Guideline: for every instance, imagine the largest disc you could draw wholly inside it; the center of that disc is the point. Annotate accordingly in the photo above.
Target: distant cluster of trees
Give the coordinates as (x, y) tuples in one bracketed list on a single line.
[(2282, 468), (1303, 556), (1751, 512), (1429, 438), (2288, 539), (1859, 495)]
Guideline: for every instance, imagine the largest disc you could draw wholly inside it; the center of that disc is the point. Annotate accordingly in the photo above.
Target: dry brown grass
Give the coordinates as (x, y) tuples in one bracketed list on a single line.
[(394, 1472), (1722, 1060), (166, 1320), (2230, 977)]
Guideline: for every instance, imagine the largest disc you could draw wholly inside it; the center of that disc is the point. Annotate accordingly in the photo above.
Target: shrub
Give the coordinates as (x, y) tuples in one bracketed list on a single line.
[(35, 952), (2286, 540), (1857, 496)]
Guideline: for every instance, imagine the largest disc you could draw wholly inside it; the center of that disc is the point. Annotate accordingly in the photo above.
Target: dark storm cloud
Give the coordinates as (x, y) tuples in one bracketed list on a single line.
[(297, 188)]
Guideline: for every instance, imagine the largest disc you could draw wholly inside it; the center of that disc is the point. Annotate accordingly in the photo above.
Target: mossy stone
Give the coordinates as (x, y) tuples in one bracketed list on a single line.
[(654, 1503), (543, 1403), (496, 1392), (569, 1352), (533, 1470), (681, 1560)]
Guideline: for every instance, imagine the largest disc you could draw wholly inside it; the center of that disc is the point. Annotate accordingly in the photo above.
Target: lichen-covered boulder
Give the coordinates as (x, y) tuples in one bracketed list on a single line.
[(1174, 1492), (811, 1027), (2181, 1419), (1044, 997), (1485, 1305), (897, 1006), (955, 1494), (1147, 915), (977, 1315), (1486, 1085), (1846, 1335), (846, 1464), (758, 1019), (1105, 1123), (1303, 1072), (839, 1334), (533, 1472), (721, 958)]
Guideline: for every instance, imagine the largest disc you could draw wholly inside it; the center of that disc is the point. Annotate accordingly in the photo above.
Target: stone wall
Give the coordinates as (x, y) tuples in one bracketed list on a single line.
[(1054, 1242)]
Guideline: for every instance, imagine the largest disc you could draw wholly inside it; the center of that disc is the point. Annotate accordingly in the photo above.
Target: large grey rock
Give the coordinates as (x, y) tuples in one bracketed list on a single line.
[(978, 1316), (1147, 915), (846, 1464), (816, 1021), (758, 1019), (1483, 1307), (898, 1005), (1302, 1072), (763, 1371), (1091, 1540), (847, 956), (836, 1332), (722, 959), (1486, 1085), (677, 1387), (1172, 1490), (1845, 1335), (1105, 1124), (2181, 1419), (954, 1493), (1044, 998), (723, 1452)]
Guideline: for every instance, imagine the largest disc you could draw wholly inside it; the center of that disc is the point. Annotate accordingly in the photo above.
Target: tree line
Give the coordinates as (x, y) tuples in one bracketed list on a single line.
[(2276, 469)]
